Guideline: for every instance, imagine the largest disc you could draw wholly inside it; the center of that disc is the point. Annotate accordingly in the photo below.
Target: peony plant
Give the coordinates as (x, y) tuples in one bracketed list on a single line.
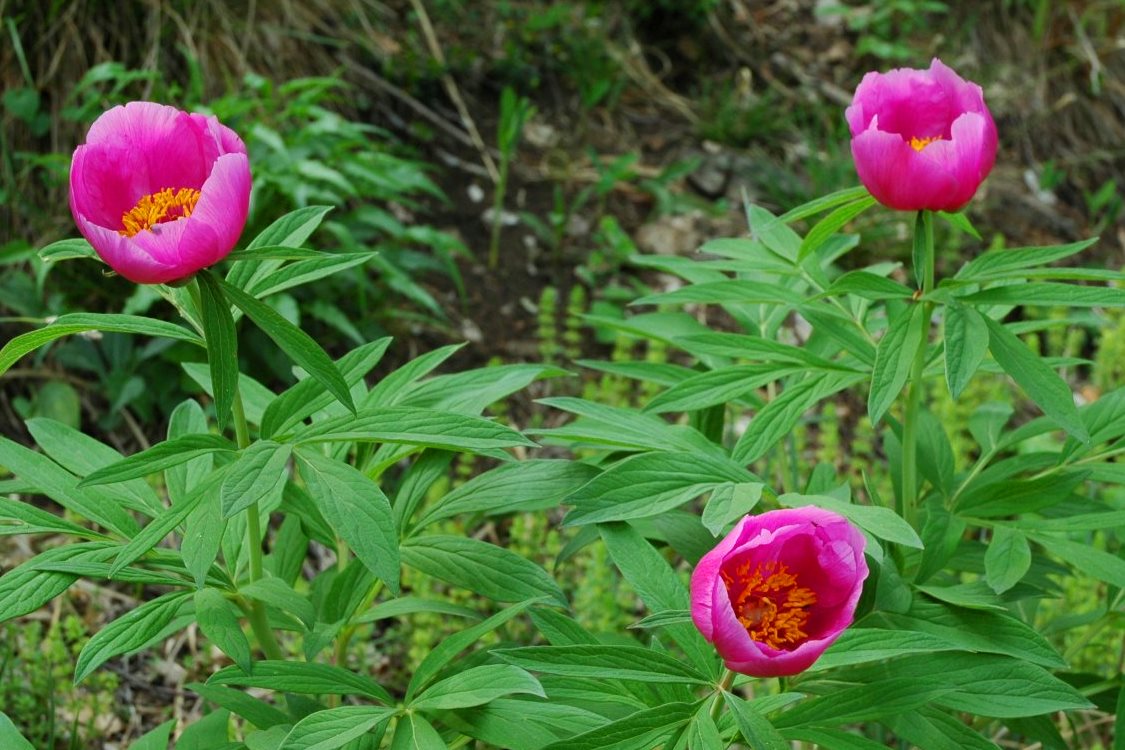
[(773, 599)]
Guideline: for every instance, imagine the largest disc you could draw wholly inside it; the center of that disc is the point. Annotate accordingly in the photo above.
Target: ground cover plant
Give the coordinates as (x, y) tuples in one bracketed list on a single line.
[(841, 501)]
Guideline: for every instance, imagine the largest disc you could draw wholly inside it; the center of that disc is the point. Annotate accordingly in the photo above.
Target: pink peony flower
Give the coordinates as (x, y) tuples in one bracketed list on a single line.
[(779, 589), (159, 193), (921, 139)]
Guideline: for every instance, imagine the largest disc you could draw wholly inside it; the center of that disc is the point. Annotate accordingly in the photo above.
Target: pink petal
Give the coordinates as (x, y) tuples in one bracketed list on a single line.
[(705, 575), (124, 256), (223, 205)]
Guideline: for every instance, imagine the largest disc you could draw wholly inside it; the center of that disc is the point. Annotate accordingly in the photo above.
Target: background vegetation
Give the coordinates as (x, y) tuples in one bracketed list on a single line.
[(628, 132)]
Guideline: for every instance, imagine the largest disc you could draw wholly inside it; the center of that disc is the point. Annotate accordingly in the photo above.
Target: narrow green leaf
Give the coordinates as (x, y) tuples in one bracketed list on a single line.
[(258, 474), (1049, 294), (156, 739), (159, 457), (997, 262), (863, 645), (1007, 559), (488, 570), (308, 396), (1049, 392), (642, 730), (893, 359), (476, 686), (436, 429), (415, 733), (67, 249), (72, 323), (302, 677), (218, 620), (1086, 559), (222, 345), (357, 510), (603, 662), (128, 632), (298, 345), (408, 605), (27, 587), (753, 726), (868, 286), (335, 727), (259, 713), (650, 483), (450, 647), (824, 203), (966, 343), (857, 703), (881, 522), (959, 221), (832, 223), (728, 503), (781, 415)]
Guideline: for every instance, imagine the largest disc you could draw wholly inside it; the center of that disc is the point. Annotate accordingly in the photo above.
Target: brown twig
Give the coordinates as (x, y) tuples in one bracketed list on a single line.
[(452, 90)]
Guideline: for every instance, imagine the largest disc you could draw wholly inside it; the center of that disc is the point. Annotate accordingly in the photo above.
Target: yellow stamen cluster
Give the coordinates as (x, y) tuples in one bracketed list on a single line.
[(769, 603), (157, 208), (920, 143)]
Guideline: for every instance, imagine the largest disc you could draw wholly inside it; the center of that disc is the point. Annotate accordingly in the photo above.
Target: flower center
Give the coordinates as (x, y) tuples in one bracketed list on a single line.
[(920, 143), (157, 208), (769, 603)]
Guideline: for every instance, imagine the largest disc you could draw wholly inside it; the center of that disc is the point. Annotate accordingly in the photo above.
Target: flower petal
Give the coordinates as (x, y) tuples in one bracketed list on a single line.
[(223, 205), (125, 256)]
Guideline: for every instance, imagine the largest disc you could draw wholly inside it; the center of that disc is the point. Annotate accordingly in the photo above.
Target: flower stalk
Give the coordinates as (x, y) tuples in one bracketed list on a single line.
[(924, 273)]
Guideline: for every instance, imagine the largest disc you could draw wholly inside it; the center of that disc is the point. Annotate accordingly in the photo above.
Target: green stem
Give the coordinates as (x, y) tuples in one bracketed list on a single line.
[(497, 211), (924, 272), (724, 685)]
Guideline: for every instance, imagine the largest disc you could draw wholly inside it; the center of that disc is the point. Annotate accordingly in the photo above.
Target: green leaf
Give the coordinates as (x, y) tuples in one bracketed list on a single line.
[(649, 574), (335, 727), (308, 396), (978, 630), (1007, 559), (714, 387), (162, 525), (408, 605), (663, 619), (1049, 392), (415, 733), (157, 739), (129, 632), (773, 232), (259, 473), (357, 510), (649, 484), (222, 344), (67, 249), (730, 502), (862, 645), (624, 428), (736, 291), (935, 730), (996, 263), (523, 724), (603, 662), (451, 646), (781, 415), (836, 739), (868, 286), (218, 619), (21, 518), (71, 323), (831, 224), (1086, 559), (480, 567), (753, 726), (848, 705), (277, 593), (642, 730), (476, 686), (1049, 294), (519, 486), (26, 587), (881, 522), (81, 454), (893, 359), (971, 594), (159, 457), (61, 486), (291, 230), (259, 713), (306, 271), (959, 221), (255, 396), (966, 343), (298, 345), (435, 429), (304, 678)]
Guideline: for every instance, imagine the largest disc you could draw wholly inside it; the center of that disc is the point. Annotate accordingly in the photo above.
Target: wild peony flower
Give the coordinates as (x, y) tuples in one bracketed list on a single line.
[(159, 193), (921, 139), (779, 589)]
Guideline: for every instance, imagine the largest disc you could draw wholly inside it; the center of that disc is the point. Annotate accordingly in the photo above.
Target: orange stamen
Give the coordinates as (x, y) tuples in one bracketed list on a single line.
[(157, 208), (920, 143), (770, 604)]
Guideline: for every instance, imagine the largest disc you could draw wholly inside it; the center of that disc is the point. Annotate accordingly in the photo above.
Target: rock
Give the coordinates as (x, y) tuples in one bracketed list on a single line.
[(670, 235)]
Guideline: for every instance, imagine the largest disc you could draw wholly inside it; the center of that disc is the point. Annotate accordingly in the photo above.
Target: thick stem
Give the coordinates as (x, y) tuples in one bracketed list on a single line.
[(924, 273)]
